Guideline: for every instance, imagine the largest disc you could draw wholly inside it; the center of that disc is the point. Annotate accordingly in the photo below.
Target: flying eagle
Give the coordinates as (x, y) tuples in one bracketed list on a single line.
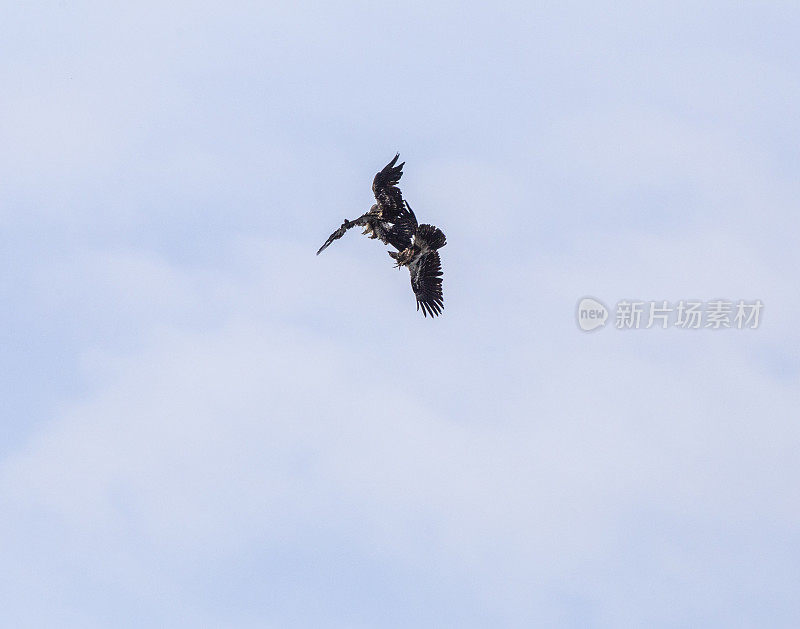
[(422, 259), (381, 221)]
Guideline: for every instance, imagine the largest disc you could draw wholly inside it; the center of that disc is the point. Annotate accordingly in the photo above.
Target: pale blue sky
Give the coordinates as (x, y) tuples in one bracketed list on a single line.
[(206, 425)]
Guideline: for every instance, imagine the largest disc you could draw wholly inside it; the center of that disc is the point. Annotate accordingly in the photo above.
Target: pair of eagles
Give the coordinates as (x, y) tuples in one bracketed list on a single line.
[(392, 221)]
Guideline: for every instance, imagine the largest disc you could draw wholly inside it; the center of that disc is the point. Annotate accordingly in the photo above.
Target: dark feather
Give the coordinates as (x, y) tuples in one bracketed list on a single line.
[(407, 220), (426, 282), (402, 231), (388, 195), (361, 220), (431, 236)]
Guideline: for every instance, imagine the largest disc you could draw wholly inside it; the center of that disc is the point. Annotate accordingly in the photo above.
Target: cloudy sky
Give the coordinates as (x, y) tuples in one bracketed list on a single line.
[(206, 425)]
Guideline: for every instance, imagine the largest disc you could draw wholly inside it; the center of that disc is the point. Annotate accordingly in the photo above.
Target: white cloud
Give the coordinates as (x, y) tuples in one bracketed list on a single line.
[(258, 430)]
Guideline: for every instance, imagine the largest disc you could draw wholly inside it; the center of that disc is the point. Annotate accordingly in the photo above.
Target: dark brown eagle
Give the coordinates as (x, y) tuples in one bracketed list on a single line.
[(422, 259), (381, 221), (392, 221)]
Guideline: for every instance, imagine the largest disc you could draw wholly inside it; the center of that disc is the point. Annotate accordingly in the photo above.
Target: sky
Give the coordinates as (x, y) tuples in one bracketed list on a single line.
[(204, 424)]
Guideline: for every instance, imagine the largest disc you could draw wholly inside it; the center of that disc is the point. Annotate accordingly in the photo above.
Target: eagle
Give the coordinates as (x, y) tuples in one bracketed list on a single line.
[(422, 259), (387, 219)]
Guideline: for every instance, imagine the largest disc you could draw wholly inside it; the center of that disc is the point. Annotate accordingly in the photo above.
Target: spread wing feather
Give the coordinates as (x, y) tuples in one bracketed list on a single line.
[(431, 236), (426, 282), (361, 220), (388, 195)]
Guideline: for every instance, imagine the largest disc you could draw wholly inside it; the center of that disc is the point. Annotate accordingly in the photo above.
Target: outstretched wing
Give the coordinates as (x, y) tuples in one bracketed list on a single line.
[(361, 220), (388, 195), (426, 282)]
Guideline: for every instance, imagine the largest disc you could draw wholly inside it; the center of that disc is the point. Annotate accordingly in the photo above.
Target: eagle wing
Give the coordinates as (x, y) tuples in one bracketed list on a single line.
[(361, 220), (426, 282), (388, 195), (401, 232)]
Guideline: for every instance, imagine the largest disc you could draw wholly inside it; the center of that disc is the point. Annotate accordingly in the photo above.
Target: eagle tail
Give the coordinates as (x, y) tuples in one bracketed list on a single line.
[(432, 236)]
